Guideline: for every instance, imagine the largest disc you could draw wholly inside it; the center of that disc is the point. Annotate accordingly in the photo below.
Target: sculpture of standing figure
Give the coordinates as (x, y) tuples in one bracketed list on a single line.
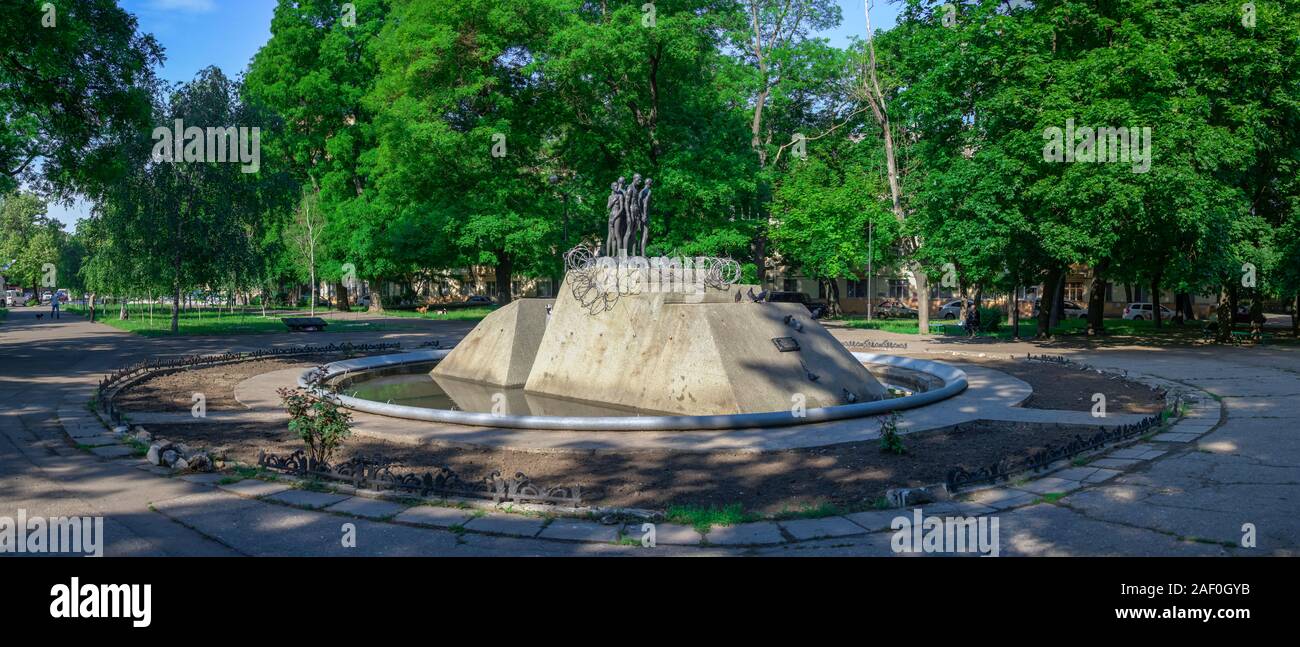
[(643, 214), (617, 205), (631, 212)]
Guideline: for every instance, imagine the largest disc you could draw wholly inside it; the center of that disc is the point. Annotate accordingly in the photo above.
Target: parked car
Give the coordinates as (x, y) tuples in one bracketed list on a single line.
[(479, 300), (894, 309), (12, 298), (46, 296), (1071, 310), (951, 310), (1143, 311), (815, 308)]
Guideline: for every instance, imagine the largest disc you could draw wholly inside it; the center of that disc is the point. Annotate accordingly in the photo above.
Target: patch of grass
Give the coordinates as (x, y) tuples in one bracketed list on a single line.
[(211, 322), (461, 314), (4, 312), (819, 511), (1051, 497), (702, 518), (314, 485), (229, 480), (138, 448), (457, 530), (1080, 461)]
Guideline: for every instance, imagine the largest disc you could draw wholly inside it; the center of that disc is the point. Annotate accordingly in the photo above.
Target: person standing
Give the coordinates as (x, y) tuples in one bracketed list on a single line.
[(54, 306)]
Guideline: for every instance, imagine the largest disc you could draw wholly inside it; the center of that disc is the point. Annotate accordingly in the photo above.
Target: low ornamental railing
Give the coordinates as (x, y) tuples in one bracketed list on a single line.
[(110, 382), (375, 473), (1008, 467)]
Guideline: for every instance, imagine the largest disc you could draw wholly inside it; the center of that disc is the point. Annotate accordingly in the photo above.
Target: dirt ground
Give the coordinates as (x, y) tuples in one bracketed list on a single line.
[(851, 475), (1069, 389), (173, 391)]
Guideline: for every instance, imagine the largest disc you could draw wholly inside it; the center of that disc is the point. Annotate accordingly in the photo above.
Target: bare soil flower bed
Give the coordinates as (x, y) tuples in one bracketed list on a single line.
[(850, 475)]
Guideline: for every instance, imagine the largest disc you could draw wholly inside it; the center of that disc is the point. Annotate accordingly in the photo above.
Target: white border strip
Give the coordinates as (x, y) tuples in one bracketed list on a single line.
[(954, 382)]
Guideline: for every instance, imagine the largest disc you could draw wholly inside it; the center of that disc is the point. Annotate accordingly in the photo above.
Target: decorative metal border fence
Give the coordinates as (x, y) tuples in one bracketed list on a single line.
[(112, 382), (374, 472)]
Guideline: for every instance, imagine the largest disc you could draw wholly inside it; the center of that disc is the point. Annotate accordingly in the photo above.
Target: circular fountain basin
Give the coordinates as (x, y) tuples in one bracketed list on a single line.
[(398, 386)]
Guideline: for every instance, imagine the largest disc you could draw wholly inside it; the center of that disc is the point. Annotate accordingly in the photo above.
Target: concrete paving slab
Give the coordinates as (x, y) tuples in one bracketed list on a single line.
[(430, 515), (1101, 476), (359, 506), (671, 534), (1051, 530), (1175, 437), (265, 529), (306, 498), (803, 529), (745, 534), (506, 524), (1002, 498), (875, 520), (1050, 484), (576, 530), (1115, 463), (112, 451), (208, 478), (255, 488)]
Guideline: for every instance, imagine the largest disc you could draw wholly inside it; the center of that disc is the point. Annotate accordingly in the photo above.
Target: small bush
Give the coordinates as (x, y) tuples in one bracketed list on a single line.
[(320, 423), (890, 441)]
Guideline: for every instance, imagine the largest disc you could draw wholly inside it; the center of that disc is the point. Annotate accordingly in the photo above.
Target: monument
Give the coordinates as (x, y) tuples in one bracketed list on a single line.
[(678, 336)]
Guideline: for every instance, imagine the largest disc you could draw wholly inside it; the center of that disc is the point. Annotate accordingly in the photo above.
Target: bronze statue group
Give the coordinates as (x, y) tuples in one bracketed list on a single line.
[(629, 217)]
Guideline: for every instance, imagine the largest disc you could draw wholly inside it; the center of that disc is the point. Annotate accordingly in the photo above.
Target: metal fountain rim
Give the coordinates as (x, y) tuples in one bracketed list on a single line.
[(954, 379)]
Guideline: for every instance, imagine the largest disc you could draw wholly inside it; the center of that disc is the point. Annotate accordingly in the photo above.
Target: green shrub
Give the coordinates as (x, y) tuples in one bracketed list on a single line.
[(320, 423), (890, 441)]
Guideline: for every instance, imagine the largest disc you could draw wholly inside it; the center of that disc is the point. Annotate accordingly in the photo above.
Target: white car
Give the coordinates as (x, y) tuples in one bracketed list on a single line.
[(1071, 310), (1143, 311), (12, 298), (46, 296), (950, 310)]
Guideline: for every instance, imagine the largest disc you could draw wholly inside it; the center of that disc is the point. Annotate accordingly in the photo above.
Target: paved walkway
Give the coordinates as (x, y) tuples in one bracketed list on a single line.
[(1177, 495)]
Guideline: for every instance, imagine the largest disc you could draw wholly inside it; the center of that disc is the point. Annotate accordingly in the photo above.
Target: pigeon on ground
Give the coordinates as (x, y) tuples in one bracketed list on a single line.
[(850, 396), (757, 298)]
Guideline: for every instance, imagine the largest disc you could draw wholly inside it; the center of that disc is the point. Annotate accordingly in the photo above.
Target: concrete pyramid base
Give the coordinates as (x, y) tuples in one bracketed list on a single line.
[(658, 352), (500, 349)]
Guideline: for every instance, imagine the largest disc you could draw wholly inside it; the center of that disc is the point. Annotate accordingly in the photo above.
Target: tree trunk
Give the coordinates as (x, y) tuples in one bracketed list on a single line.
[(341, 296), (1058, 299), (1015, 313), (1295, 316), (376, 295), (504, 271), (121, 310), (1045, 299), (1097, 303), (176, 307), (922, 300), (1128, 293), (833, 299), (1155, 300)]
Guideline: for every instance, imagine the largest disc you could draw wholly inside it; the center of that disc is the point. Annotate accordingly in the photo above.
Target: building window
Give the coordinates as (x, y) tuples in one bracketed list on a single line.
[(492, 289), (789, 285), (857, 289), (899, 289), (1074, 291)]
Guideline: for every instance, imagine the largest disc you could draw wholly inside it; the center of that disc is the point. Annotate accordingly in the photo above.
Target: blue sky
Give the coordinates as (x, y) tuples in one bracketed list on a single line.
[(227, 33)]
